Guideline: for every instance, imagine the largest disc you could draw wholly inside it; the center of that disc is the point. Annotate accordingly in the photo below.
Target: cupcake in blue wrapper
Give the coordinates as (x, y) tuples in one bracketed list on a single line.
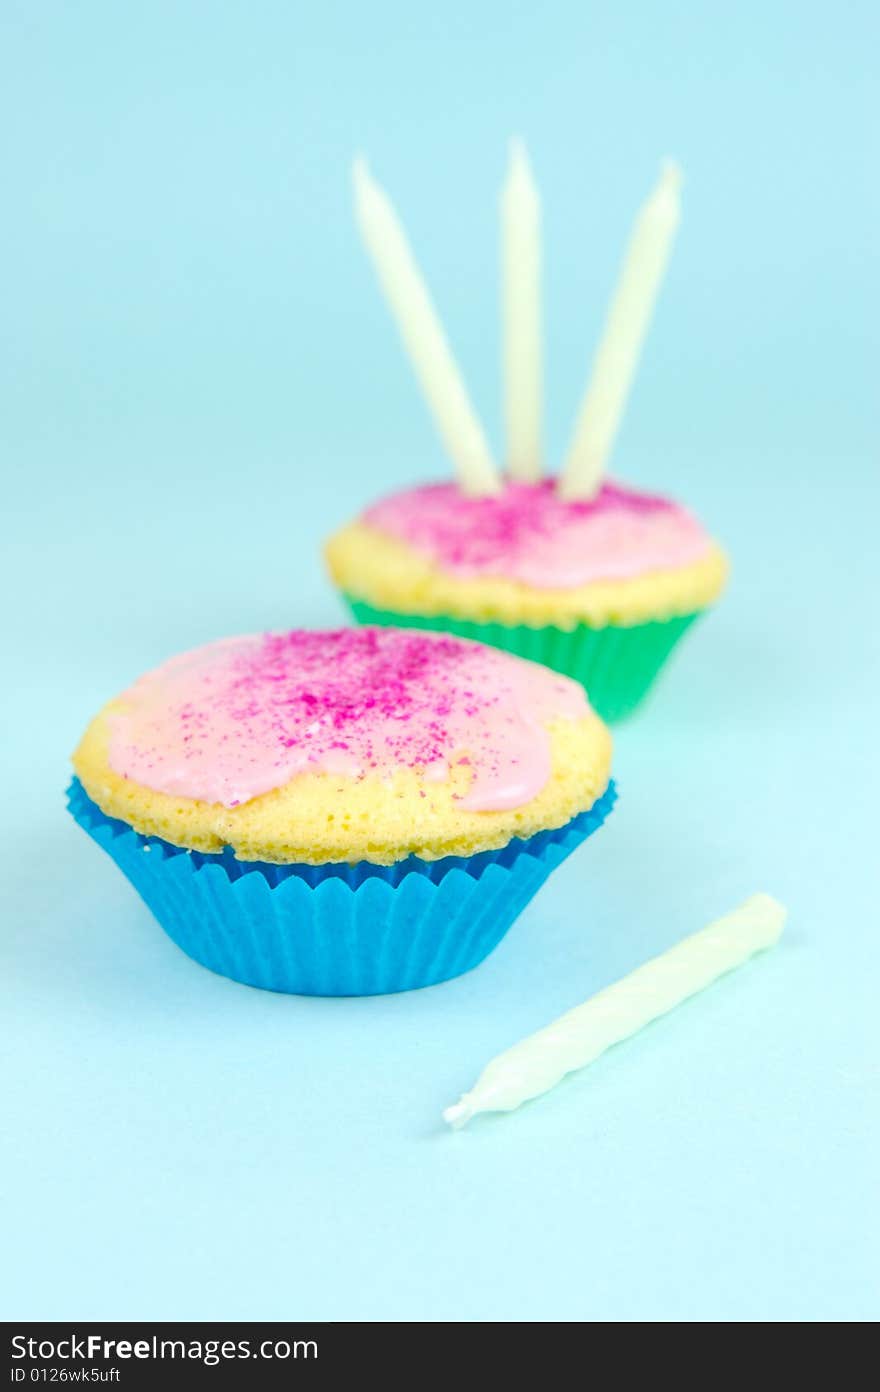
[(342, 813)]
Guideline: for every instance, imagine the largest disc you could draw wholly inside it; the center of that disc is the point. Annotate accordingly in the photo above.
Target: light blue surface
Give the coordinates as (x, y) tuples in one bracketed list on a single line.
[(198, 382)]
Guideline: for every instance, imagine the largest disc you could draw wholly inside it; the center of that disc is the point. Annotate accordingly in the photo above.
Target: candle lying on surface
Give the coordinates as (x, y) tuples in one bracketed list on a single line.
[(626, 325), (538, 1063), (423, 335), (521, 308)]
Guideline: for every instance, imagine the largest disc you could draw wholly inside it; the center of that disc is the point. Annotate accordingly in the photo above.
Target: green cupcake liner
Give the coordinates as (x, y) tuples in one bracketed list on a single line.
[(617, 665)]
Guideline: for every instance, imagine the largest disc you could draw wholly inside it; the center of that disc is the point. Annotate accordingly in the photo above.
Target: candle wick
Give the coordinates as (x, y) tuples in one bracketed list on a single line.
[(459, 1114)]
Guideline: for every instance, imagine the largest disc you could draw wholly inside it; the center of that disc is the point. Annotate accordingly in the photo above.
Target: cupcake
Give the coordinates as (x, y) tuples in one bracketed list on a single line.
[(600, 589), (588, 576), (342, 813)]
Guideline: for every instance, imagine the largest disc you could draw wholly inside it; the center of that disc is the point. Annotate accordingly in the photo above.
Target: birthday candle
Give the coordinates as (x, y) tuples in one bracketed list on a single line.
[(625, 329), (538, 1063), (521, 300), (423, 336)]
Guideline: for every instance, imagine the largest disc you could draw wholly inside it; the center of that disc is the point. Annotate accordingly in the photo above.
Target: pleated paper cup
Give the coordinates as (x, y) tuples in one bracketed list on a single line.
[(335, 930), (616, 664)]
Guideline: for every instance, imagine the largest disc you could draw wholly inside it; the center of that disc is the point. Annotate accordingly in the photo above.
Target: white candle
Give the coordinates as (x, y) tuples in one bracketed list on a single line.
[(624, 333), (538, 1063), (521, 329), (423, 335)]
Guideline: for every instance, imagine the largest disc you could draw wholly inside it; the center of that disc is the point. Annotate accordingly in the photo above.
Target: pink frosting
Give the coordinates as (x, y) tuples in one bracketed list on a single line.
[(528, 533), (234, 719)]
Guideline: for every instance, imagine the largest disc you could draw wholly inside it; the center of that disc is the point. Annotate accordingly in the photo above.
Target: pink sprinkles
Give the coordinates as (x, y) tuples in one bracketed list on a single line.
[(527, 533), (227, 722)]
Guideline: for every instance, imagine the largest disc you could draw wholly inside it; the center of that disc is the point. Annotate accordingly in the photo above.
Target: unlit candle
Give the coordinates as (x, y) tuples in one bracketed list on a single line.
[(423, 336), (521, 309), (538, 1063), (626, 326)]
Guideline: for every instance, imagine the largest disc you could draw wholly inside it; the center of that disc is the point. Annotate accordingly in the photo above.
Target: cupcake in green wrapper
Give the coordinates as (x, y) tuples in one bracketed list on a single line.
[(600, 589), (597, 580)]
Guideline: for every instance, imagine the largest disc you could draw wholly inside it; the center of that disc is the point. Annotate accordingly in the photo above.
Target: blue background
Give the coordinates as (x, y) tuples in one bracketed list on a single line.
[(199, 381)]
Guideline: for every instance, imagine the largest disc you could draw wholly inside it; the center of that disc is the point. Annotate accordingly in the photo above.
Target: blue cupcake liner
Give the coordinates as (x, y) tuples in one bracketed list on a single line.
[(335, 930)]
